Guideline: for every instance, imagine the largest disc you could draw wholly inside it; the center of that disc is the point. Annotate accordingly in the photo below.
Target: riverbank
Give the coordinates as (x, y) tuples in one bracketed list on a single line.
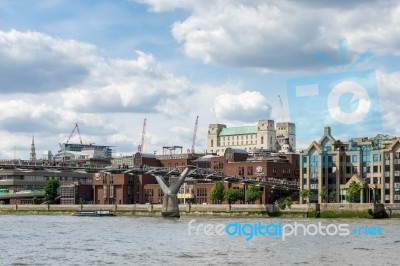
[(350, 210)]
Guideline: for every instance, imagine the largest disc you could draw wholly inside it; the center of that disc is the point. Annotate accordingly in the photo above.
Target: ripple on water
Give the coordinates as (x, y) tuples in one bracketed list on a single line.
[(51, 240)]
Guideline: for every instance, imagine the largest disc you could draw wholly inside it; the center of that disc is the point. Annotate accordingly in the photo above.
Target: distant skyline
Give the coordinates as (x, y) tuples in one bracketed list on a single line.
[(107, 65)]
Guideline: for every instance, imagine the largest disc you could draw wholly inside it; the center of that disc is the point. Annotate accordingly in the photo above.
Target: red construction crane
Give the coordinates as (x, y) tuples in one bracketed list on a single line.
[(194, 134), (79, 133), (140, 147)]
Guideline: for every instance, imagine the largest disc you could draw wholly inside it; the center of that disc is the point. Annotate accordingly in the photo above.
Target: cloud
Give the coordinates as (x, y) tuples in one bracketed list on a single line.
[(273, 35), (248, 106), (86, 81), (107, 102), (42, 63), (388, 84), (140, 85)]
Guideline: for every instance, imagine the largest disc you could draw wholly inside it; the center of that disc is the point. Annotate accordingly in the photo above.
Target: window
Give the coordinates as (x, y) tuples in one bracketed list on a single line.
[(249, 170), (202, 192), (262, 140), (212, 143), (354, 159), (376, 158), (241, 170), (111, 191), (105, 190)]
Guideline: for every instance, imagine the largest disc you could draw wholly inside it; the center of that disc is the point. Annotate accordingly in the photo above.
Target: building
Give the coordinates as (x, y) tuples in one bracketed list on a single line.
[(263, 136), (31, 182), (83, 153), (374, 163), (32, 155), (285, 134), (76, 193)]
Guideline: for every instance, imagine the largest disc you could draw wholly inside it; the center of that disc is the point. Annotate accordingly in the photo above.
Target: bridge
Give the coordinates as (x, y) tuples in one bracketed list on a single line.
[(162, 175)]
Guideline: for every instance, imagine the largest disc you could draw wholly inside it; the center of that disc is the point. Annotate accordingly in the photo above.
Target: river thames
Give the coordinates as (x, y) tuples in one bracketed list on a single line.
[(127, 240)]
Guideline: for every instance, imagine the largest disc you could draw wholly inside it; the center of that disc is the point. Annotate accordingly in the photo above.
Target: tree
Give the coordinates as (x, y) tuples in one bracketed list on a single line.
[(217, 192), (232, 195), (306, 194), (51, 190), (332, 196), (35, 200), (324, 194), (353, 192), (253, 193), (287, 202)]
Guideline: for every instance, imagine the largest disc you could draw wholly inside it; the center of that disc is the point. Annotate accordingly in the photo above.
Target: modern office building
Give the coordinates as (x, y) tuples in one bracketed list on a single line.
[(374, 163), (83, 152), (261, 137)]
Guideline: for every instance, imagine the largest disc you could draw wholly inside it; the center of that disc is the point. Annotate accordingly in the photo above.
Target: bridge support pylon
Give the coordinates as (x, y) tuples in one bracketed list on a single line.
[(170, 206)]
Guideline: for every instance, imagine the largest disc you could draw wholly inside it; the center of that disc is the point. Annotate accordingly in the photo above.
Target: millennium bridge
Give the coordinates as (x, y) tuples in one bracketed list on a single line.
[(162, 174)]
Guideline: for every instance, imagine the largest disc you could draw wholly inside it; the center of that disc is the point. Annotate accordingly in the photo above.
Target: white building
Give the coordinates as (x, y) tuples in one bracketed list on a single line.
[(263, 136)]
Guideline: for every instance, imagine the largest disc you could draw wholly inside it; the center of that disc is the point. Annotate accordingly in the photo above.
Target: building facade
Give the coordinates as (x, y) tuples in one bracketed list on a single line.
[(374, 163), (263, 136)]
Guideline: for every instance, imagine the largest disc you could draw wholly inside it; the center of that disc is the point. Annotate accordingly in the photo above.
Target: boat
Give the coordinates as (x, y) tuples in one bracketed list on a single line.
[(94, 213)]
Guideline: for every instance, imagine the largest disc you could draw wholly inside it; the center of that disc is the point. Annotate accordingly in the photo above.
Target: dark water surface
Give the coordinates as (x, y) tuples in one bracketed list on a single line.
[(123, 240)]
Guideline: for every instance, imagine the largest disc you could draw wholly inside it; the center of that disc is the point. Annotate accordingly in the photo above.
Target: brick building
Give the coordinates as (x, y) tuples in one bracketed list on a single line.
[(127, 188)]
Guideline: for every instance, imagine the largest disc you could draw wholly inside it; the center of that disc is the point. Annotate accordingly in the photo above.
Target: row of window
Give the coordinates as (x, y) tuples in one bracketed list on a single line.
[(237, 137), (366, 157)]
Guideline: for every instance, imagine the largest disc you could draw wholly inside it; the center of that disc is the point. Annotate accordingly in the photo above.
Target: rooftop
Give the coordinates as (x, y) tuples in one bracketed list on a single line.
[(230, 131)]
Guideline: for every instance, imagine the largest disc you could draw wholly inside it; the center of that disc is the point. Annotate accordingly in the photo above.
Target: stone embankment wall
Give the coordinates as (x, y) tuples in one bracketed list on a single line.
[(256, 210)]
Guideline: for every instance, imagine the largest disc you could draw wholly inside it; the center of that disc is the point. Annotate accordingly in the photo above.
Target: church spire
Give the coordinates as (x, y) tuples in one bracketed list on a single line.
[(33, 150)]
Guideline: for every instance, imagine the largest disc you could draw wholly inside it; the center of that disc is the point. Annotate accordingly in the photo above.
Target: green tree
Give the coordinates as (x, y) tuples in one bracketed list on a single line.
[(51, 190), (232, 195), (287, 202), (353, 193), (306, 194), (253, 193), (324, 194), (217, 192), (35, 200), (332, 196)]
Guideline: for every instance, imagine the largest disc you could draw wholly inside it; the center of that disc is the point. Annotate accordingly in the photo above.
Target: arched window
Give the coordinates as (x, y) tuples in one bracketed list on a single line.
[(262, 140), (212, 143)]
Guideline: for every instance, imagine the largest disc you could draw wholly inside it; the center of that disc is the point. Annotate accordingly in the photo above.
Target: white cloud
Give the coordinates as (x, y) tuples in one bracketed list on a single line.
[(42, 63), (140, 85), (273, 35), (107, 103), (388, 84), (248, 106)]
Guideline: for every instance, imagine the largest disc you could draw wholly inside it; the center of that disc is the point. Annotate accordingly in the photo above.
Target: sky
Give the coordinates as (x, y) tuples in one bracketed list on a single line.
[(108, 65)]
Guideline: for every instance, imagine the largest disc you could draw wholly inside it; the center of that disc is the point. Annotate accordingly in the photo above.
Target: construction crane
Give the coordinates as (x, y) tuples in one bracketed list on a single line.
[(282, 110), (79, 133), (140, 147), (194, 134)]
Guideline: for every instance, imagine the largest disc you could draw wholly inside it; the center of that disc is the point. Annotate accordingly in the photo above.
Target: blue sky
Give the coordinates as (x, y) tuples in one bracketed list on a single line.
[(107, 65)]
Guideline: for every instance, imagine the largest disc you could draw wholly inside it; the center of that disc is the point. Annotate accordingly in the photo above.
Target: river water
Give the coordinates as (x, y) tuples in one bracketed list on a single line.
[(127, 240)]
